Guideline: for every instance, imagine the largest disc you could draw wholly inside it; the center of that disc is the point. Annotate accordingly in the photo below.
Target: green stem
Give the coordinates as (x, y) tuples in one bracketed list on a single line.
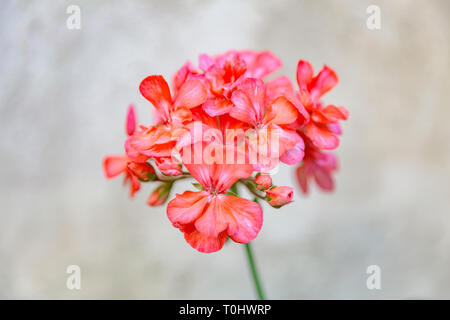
[(256, 280), (252, 189)]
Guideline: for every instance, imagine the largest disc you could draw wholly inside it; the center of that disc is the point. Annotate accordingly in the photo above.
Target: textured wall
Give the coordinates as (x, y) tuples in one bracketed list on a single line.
[(63, 98)]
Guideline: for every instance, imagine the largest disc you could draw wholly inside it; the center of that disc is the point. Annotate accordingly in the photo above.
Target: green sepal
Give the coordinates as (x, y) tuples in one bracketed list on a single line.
[(198, 186)]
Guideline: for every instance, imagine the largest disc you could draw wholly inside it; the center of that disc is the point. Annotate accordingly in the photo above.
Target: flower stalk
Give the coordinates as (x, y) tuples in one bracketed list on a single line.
[(254, 271)]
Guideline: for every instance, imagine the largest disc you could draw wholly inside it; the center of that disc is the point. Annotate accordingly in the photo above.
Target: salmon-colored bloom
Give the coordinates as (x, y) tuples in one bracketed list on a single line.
[(224, 72), (280, 196), (114, 165), (207, 218), (322, 127), (227, 107)]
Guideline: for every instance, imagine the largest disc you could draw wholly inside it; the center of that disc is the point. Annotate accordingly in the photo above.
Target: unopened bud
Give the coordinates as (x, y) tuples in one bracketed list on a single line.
[(279, 196), (263, 181), (160, 195), (131, 120)]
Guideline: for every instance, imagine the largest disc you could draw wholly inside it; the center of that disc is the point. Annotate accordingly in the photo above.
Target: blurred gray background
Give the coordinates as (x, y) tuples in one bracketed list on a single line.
[(63, 99)]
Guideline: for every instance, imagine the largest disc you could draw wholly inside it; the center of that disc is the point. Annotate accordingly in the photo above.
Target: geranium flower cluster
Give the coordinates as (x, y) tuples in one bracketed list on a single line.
[(223, 124)]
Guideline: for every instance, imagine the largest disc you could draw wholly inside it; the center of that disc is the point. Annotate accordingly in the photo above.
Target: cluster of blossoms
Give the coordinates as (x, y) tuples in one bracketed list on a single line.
[(224, 125)]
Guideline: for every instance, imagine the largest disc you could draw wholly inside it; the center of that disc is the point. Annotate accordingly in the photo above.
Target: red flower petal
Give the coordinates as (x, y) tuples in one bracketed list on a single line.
[(322, 83), (204, 243), (131, 120), (305, 73), (156, 90), (114, 165)]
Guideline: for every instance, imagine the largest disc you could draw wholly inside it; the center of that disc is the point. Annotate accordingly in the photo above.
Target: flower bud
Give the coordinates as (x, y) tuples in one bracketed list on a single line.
[(159, 195), (279, 196), (131, 120), (263, 181)]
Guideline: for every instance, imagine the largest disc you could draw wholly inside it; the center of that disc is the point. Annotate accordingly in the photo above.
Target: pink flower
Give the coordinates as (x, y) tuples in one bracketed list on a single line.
[(279, 196), (321, 128), (224, 72), (207, 218)]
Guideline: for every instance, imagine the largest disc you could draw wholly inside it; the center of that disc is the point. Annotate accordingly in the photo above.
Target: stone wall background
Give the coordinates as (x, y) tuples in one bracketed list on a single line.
[(63, 99)]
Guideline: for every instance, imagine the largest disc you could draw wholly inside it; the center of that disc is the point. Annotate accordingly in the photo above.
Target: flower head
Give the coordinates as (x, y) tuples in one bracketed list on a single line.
[(224, 107)]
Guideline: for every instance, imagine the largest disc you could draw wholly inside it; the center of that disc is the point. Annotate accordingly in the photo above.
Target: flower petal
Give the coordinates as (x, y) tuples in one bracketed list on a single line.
[(156, 141), (187, 207), (305, 73), (249, 100), (221, 176), (244, 218), (191, 94), (217, 106), (324, 179), (241, 218), (156, 90), (134, 183), (334, 113), (282, 111), (113, 165), (231, 170), (322, 83), (260, 64), (322, 137), (294, 155), (302, 178), (288, 139), (213, 221), (280, 86), (204, 243)]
